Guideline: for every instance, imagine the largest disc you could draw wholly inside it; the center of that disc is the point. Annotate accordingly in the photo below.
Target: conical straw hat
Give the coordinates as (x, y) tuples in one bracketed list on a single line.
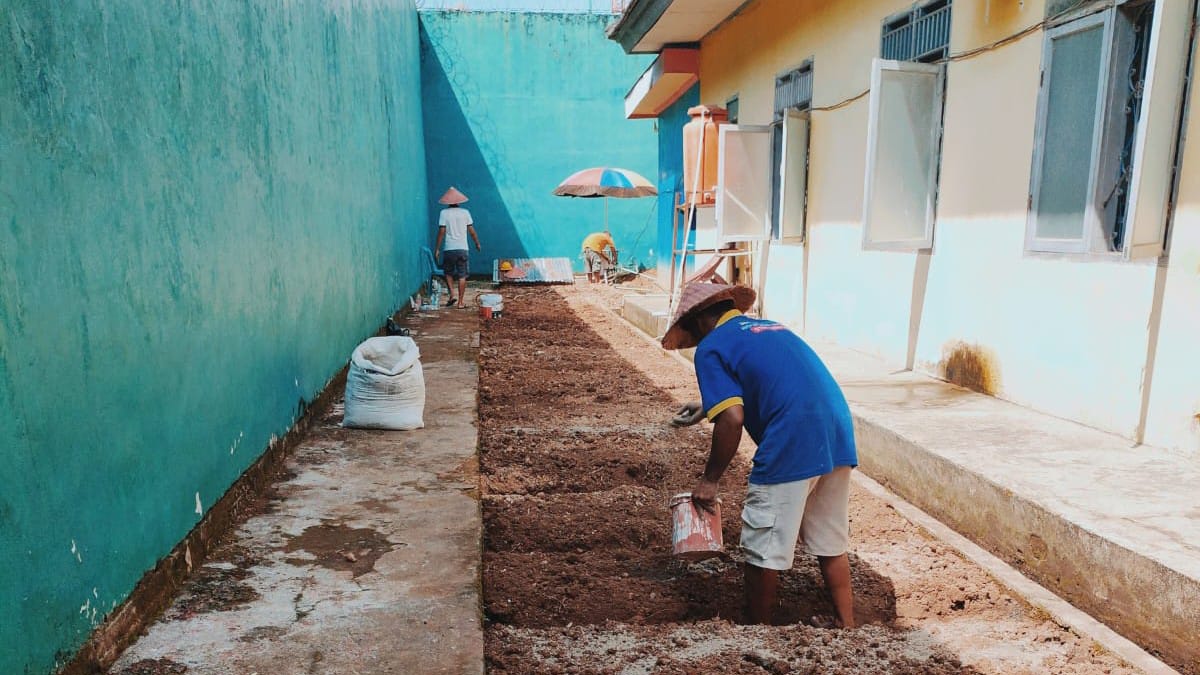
[(694, 298), (452, 196)]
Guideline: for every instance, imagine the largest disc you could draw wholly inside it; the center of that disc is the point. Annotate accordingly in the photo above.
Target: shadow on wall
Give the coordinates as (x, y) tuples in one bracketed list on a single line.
[(448, 131)]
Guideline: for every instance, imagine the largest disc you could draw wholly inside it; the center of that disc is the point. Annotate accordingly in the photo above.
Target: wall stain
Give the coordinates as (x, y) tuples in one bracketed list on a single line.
[(340, 547), (154, 667), (218, 585), (971, 366)]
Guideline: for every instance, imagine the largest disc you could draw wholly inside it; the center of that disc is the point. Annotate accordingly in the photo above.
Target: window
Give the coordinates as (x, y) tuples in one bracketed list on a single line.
[(1107, 126), (789, 153), (731, 106), (919, 34), (743, 183), (903, 147)]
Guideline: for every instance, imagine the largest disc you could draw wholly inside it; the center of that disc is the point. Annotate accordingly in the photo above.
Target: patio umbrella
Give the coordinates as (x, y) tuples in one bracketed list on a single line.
[(605, 182)]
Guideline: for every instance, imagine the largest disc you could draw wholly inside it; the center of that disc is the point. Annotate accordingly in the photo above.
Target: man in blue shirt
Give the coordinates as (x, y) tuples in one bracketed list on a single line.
[(759, 375)]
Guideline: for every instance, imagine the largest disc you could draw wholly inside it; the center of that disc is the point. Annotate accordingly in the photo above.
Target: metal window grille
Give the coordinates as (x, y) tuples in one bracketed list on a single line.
[(793, 90), (919, 34)]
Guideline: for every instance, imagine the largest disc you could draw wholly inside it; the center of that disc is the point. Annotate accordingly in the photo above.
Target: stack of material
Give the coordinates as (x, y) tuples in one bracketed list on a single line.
[(533, 271)]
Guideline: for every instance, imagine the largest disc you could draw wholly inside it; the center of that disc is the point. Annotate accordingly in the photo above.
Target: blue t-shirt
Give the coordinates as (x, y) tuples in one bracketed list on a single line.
[(794, 409)]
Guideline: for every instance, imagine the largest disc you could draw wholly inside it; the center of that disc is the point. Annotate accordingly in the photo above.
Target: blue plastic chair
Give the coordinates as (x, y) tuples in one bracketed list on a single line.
[(434, 270)]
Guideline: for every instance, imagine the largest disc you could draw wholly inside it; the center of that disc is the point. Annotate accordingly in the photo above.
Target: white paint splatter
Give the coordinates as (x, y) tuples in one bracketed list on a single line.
[(199, 508), (75, 551), (95, 593), (237, 441), (86, 606)]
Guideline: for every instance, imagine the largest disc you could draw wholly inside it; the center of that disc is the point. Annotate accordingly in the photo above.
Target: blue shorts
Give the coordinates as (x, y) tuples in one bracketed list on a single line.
[(455, 263)]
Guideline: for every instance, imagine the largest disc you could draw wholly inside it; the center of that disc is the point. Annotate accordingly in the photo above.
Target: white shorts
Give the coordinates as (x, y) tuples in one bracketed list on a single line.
[(775, 516)]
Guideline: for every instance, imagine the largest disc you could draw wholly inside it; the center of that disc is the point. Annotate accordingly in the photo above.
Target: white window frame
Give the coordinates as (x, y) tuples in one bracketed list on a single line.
[(799, 123), (1158, 133), (1156, 137), (724, 199), (925, 242), (1092, 229)]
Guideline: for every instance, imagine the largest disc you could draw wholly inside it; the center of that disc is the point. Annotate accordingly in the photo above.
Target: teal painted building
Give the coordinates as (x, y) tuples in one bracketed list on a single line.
[(203, 208), (516, 102)]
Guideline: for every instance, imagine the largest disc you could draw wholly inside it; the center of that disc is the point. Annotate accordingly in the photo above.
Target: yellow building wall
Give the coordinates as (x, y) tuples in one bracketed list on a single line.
[(1174, 410), (1063, 335)]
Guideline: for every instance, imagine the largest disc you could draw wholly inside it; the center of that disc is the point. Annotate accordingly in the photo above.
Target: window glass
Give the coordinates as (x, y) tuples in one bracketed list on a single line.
[(1074, 78), (794, 179), (906, 111), (744, 183)]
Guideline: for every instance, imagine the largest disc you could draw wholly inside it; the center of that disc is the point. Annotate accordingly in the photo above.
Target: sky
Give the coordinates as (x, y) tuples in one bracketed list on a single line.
[(594, 6)]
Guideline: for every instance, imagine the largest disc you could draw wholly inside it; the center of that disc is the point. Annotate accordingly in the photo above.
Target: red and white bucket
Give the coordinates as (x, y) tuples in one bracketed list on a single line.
[(491, 305), (695, 533)]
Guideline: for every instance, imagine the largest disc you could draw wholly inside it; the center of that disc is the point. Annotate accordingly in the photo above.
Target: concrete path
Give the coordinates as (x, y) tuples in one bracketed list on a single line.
[(364, 560)]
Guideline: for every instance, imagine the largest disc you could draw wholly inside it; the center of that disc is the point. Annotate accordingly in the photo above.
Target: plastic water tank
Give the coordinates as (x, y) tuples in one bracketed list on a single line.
[(705, 122)]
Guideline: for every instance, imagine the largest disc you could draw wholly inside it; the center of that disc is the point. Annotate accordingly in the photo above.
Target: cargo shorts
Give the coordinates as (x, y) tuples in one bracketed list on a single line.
[(815, 509), (595, 264)]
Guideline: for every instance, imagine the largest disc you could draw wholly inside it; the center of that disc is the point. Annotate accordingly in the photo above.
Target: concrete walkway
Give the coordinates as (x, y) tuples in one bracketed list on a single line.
[(1113, 529), (364, 560)]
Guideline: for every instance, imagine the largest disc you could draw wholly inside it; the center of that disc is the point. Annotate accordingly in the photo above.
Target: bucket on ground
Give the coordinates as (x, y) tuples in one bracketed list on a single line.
[(695, 533), (491, 305)]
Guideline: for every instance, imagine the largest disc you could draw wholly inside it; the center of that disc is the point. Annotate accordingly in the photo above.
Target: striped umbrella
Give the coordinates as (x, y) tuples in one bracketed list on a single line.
[(605, 182)]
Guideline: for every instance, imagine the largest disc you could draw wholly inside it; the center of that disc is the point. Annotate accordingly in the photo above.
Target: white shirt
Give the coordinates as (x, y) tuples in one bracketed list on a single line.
[(455, 220)]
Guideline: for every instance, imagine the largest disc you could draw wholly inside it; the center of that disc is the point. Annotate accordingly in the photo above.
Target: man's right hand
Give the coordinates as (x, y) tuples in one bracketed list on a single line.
[(704, 495), (688, 415)]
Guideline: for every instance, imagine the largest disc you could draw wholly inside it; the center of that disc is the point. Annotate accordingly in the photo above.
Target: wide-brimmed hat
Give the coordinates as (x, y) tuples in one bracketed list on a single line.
[(695, 298), (452, 196)]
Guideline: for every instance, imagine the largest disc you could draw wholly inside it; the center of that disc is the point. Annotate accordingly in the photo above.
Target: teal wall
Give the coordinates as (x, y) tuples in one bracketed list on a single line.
[(204, 206), (670, 176), (514, 103)]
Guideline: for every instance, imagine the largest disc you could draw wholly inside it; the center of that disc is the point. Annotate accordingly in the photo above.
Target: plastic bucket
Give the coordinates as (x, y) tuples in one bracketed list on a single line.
[(491, 305), (695, 533)]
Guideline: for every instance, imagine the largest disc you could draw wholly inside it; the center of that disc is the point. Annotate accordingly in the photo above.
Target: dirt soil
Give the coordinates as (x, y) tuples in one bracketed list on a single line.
[(578, 463)]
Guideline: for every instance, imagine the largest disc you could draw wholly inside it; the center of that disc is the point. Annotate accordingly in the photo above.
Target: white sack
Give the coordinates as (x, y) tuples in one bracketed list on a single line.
[(385, 388)]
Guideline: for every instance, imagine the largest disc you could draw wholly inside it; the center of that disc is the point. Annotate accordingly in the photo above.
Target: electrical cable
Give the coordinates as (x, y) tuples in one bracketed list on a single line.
[(976, 51)]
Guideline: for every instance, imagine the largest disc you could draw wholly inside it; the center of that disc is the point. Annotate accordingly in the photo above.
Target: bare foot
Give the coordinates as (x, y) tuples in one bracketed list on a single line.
[(825, 621)]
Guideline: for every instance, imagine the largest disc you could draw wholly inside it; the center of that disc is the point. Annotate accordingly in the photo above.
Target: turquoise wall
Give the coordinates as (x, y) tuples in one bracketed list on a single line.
[(670, 176), (204, 206), (514, 103)]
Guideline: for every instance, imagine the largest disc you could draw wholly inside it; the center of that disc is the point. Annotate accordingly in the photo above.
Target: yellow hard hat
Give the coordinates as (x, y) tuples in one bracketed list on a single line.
[(505, 266)]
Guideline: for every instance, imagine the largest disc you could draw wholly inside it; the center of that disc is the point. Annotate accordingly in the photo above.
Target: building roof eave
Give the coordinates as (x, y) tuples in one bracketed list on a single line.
[(637, 20)]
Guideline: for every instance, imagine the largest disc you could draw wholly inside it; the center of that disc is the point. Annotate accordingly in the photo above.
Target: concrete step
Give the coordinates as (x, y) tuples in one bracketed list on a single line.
[(1112, 528), (648, 313)]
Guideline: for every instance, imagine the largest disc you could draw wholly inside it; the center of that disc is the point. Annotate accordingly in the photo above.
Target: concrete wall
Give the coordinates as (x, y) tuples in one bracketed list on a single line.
[(203, 208), (1066, 336), (514, 103)]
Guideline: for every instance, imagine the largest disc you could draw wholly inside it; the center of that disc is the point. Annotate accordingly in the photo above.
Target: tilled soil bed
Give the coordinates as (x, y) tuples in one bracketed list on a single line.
[(578, 464)]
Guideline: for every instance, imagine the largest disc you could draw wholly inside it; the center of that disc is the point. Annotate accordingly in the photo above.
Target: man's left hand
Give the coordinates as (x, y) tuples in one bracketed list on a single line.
[(704, 495)]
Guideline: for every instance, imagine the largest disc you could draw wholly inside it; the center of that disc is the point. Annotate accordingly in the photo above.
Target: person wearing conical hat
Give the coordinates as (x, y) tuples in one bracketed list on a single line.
[(454, 225), (758, 375)]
